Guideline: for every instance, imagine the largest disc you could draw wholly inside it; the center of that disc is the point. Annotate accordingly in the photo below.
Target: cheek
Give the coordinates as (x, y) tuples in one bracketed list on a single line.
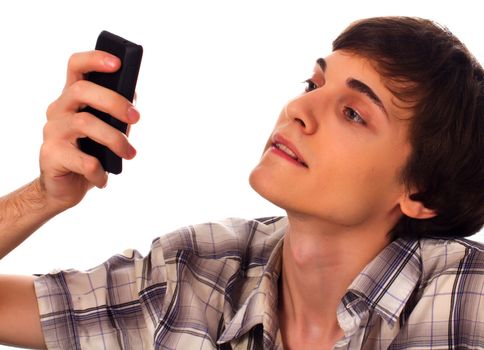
[(377, 175), (355, 174)]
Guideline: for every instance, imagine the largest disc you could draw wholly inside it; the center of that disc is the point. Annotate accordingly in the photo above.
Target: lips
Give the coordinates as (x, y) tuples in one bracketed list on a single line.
[(286, 148)]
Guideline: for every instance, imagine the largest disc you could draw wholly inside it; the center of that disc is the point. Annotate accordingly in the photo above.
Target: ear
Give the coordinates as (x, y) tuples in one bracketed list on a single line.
[(415, 209)]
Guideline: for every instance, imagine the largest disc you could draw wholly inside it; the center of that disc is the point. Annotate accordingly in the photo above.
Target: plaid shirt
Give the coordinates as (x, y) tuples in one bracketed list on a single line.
[(214, 286)]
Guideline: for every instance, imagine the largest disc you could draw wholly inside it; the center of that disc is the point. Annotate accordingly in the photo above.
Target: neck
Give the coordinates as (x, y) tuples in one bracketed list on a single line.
[(320, 261)]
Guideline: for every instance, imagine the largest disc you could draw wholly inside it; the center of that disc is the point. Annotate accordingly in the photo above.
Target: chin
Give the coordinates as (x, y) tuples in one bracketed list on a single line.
[(258, 182), (266, 187), (261, 183)]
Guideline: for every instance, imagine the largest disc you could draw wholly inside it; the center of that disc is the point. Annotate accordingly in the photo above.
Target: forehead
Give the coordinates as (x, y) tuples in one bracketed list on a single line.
[(343, 64)]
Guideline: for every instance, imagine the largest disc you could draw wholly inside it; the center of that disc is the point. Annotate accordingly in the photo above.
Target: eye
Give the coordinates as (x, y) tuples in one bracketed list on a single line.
[(310, 85), (353, 116)]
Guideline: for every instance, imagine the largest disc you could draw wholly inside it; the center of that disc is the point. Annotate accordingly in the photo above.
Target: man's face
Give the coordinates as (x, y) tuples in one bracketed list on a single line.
[(337, 149)]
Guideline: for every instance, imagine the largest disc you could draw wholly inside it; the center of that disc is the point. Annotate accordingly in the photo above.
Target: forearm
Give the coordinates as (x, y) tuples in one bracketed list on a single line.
[(21, 213), (19, 314)]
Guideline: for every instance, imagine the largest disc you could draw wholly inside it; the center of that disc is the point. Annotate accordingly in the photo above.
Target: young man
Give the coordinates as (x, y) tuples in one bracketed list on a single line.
[(378, 165)]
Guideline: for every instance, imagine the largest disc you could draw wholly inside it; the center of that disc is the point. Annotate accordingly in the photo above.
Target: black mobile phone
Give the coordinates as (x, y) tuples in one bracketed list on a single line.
[(122, 81)]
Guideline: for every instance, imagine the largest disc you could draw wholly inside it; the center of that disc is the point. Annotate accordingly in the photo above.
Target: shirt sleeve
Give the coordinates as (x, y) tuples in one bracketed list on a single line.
[(115, 305)]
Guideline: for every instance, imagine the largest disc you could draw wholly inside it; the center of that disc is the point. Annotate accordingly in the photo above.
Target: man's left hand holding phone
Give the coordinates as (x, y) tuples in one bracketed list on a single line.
[(67, 173)]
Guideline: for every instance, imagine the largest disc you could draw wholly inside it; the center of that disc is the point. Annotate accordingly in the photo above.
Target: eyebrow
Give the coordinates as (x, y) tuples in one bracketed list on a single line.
[(322, 64), (361, 87), (356, 85)]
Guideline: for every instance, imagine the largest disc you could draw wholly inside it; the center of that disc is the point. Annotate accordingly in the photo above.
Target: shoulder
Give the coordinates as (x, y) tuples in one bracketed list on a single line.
[(455, 256), (447, 308), (453, 275), (232, 237)]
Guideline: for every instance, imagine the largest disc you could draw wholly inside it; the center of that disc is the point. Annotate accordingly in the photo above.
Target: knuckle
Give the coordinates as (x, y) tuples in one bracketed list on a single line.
[(78, 87), (45, 149), (112, 103), (76, 90), (81, 121), (52, 130), (51, 108), (72, 60), (118, 142), (48, 149), (46, 130), (90, 165)]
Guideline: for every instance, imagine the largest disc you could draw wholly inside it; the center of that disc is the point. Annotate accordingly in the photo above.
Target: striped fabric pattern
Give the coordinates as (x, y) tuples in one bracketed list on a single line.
[(215, 286)]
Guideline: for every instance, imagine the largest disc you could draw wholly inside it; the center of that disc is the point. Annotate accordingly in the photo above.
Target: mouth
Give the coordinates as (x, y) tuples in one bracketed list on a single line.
[(285, 150)]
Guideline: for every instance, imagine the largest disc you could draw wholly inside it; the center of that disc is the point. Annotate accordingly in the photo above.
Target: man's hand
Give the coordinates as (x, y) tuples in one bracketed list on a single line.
[(66, 172)]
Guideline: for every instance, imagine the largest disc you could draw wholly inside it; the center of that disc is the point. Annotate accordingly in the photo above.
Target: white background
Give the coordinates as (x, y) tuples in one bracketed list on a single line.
[(214, 77)]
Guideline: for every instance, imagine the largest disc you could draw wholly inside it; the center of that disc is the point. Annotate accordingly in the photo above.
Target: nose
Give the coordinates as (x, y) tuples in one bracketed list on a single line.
[(299, 111)]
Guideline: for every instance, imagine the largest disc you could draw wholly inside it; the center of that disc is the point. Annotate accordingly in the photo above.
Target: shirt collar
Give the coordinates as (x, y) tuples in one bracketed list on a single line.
[(385, 285), (260, 307), (387, 282)]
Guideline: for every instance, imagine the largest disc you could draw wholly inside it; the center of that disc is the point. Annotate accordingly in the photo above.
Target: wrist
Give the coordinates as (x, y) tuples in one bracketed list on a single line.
[(21, 213), (44, 201)]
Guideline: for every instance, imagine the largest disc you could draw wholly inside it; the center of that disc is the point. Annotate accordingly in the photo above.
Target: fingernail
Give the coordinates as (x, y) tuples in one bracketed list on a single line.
[(131, 152), (111, 61), (133, 115)]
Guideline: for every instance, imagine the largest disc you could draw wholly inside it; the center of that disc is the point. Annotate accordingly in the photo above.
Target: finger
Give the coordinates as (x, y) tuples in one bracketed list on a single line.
[(89, 126), (63, 158), (84, 124), (84, 93), (84, 62)]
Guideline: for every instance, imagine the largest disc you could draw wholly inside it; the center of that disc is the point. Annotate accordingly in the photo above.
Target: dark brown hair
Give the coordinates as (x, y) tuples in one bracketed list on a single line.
[(425, 66)]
